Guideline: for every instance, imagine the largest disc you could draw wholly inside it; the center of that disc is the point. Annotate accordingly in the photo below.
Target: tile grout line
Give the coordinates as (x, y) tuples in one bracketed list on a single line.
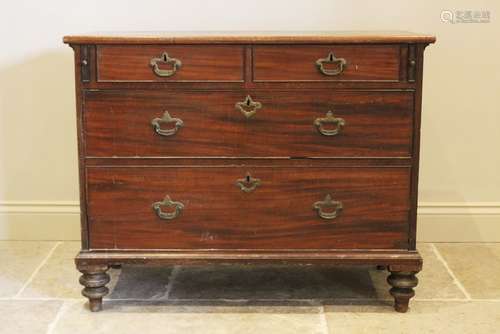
[(323, 320), (449, 300), (37, 269), (41, 299), (53, 323), (450, 272), (171, 280)]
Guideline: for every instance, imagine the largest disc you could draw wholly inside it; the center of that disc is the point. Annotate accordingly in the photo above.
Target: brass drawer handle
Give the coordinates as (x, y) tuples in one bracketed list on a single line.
[(167, 202), (328, 202), (331, 59), (165, 59), (248, 107), (329, 119), (166, 118), (248, 183)]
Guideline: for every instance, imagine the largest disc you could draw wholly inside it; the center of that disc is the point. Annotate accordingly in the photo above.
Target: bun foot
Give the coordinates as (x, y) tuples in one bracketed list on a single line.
[(94, 280), (402, 283), (95, 304)]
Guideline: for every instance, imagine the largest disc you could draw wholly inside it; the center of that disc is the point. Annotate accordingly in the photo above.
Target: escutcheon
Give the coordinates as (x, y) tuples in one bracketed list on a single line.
[(248, 183), (248, 107)]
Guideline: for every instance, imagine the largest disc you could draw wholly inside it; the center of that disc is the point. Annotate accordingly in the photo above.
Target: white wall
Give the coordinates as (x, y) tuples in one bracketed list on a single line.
[(459, 179)]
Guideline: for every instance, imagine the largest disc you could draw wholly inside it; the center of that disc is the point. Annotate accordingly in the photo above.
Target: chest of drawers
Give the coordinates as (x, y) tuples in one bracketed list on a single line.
[(220, 148)]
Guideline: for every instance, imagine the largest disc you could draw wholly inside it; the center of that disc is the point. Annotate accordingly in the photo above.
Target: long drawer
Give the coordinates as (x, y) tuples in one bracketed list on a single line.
[(248, 208), (307, 123)]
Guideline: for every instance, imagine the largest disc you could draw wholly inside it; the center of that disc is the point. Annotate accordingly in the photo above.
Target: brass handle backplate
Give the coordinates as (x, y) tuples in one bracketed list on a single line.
[(165, 59), (248, 183), (329, 119), (340, 64), (167, 202), (166, 118), (248, 107), (328, 203)]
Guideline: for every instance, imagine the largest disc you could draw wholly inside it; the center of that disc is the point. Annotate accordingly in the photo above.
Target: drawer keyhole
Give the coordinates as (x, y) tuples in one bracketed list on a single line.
[(248, 107), (248, 183)]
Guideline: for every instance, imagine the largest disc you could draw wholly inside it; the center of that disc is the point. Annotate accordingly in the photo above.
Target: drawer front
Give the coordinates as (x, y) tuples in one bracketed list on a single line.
[(287, 124), (314, 63), (169, 63), (280, 208)]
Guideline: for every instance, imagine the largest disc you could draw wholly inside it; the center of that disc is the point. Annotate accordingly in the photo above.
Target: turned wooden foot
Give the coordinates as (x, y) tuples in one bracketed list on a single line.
[(402, 283), (94, 279)]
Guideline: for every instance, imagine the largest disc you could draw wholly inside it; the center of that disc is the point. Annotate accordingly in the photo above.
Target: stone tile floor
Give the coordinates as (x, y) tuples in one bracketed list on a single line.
[(459, 292)]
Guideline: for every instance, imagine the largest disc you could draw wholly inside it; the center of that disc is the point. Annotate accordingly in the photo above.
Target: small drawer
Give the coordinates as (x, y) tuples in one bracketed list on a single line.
[(248, 207), (315, 123), (326, 63), (153, 63)]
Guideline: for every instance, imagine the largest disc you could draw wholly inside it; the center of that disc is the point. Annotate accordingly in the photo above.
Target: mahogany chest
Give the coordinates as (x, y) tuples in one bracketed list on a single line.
[(226, 148)]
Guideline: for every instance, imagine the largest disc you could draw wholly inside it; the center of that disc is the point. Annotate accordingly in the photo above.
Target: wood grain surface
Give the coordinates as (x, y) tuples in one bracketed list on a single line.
[(124, 63), (298, 63), (278, 214), (378, 123)]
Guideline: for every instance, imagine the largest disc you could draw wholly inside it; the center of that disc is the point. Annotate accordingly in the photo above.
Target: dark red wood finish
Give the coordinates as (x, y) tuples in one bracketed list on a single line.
[(278, 214), (298, 63), (199, 63), (378, 124), (372, 166)]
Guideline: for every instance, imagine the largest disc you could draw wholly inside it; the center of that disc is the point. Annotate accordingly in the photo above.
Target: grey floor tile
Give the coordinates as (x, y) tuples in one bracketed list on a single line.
[(423, 317), (127, 317), (307, 282), (139, 282), (25, 316), (58, 278), (18, 261), (476, 266), (251, 299), (435, 282), (272, 282)]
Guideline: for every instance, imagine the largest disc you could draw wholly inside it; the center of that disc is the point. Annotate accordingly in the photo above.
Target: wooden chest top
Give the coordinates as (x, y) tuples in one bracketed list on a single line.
[(250, 37)]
